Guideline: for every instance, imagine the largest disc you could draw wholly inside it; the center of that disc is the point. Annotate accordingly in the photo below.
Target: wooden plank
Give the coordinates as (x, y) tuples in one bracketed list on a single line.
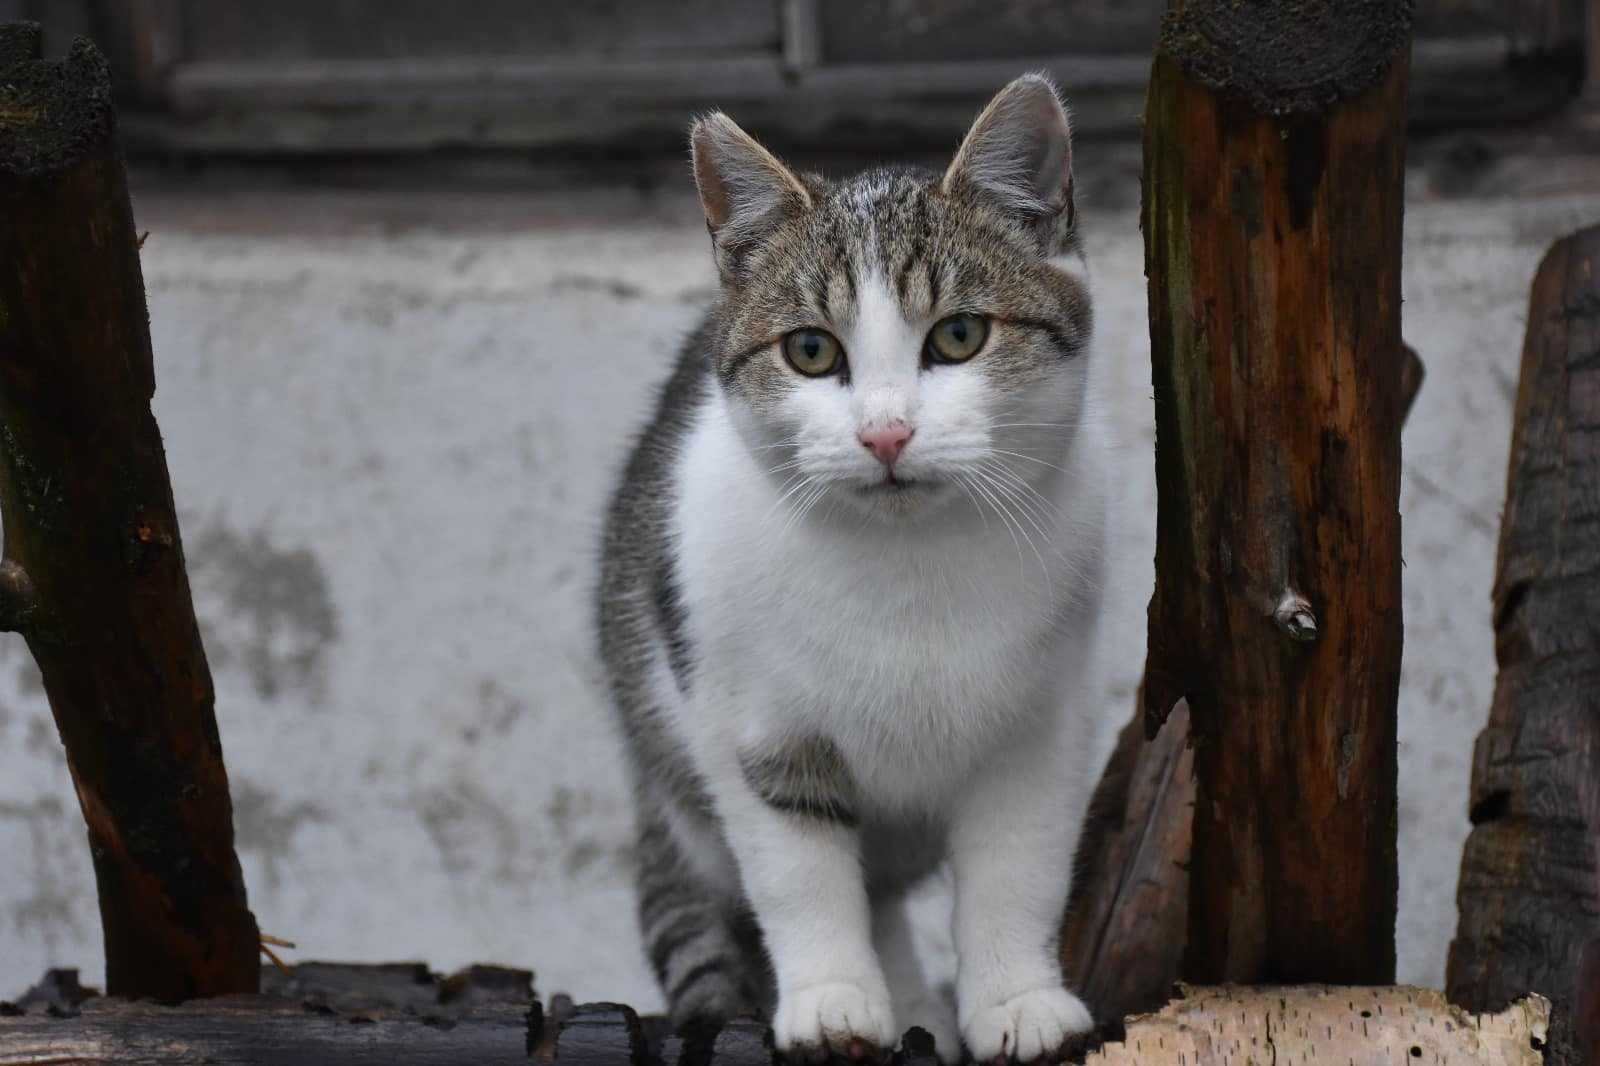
[(954, 30), (404, 84), (802, 35), (144, 41), (415, 30), (407, 105), (1591, 56)]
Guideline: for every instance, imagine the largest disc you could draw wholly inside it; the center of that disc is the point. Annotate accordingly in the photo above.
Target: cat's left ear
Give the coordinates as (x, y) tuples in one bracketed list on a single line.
[(1018, 156)]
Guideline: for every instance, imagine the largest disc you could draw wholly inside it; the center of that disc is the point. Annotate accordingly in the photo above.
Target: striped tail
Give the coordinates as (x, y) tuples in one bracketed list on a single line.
[(705, 948)]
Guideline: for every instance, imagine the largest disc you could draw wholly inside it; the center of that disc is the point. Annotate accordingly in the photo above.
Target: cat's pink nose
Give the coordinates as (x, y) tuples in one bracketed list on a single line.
[(886, 442)]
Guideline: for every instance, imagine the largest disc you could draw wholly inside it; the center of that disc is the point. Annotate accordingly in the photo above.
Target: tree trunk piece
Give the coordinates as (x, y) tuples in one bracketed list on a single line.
[(1203, 1027), (1126, 924), (93, 572), (1529, 894), (1122, 939), (1273, 196)]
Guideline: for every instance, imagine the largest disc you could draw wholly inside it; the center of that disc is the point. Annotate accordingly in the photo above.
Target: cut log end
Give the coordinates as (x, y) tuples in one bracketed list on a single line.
[(1277, 57), (53, 112)]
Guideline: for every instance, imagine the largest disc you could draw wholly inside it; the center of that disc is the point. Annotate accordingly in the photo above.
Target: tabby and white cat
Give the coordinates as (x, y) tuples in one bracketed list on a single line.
[(848, 584)]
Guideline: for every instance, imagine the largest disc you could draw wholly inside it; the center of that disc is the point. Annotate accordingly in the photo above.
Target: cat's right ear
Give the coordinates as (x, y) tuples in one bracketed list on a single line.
[(744, 190)]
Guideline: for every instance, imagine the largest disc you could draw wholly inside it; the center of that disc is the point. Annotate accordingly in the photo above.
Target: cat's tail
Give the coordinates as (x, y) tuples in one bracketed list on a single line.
[(702, 942)]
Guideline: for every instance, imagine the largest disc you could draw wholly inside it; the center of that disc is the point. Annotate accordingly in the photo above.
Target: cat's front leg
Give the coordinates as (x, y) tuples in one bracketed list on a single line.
[(1012, 839), (790, 813)]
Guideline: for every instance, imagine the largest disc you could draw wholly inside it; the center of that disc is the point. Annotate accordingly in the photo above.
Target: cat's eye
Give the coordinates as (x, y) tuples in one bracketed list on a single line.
[(813, 352), (957, 338)]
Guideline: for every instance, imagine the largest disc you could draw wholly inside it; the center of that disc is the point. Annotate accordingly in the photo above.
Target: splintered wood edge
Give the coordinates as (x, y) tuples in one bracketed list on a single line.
[(1323, 1023)]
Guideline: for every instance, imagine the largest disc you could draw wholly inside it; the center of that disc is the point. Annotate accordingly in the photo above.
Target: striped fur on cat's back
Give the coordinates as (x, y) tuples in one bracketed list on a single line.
[(849, 581)]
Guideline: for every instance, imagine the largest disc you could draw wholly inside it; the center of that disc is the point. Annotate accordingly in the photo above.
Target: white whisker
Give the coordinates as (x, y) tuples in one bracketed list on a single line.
[(1022, 565), (799, 482), (1046, 506), (1007, 494), (1029, 458)]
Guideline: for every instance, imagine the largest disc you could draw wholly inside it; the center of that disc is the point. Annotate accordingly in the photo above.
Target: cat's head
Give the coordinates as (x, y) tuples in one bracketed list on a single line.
[(900, 340)]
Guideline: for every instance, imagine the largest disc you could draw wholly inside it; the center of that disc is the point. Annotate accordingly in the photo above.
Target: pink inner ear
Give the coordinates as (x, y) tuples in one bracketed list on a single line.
[(1020, 148), (713, 192)]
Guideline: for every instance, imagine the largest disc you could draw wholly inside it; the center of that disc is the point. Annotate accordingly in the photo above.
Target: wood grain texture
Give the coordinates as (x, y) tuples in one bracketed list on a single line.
[(252, 1031), (1272, 247), (1529, 894), (1123, 936), (373, 1015), (311, 1014), (1322, 1024), (1126, 924), (93, 571)]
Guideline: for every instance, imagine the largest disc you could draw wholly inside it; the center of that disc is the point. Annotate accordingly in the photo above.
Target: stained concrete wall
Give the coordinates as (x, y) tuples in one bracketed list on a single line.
[(392, 421)]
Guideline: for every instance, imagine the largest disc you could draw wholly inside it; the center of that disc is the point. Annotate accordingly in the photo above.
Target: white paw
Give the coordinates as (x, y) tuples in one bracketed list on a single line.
[(834, 1015), (1026, 1026)]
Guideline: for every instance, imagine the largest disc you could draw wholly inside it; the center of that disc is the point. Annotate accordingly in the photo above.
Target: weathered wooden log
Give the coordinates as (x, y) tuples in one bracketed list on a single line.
[(313, 1014), (1327, 1024), (1123, 936), (1127, 921), (252, 1031), (1273, 192), (1529, 894), (93, 571), (1202, 1027)]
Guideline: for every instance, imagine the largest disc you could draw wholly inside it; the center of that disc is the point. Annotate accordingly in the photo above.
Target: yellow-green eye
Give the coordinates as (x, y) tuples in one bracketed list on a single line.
[(957, 338), (813, 352)]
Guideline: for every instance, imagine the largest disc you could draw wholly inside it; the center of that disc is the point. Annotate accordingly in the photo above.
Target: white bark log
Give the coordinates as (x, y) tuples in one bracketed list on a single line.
[(1236, 1026)]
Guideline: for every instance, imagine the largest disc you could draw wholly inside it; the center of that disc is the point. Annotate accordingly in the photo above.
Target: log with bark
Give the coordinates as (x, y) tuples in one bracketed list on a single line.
[(93, 572), (1529, 894), (1273, 194), (1123, 935), (314, 1014), (401, 1015)]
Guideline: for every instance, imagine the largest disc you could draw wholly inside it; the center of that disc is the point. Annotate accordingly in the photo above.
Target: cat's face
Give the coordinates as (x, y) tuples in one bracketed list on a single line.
[(900, 341)]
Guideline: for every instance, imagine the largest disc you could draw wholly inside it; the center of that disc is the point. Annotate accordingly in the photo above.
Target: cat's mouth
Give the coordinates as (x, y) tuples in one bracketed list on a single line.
[(892, 484)]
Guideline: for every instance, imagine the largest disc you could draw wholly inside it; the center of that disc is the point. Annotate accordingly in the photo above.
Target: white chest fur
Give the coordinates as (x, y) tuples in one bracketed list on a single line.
[(917, 647)]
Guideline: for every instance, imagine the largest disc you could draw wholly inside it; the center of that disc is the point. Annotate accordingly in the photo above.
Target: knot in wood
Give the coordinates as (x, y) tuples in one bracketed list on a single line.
[(1294, 616)]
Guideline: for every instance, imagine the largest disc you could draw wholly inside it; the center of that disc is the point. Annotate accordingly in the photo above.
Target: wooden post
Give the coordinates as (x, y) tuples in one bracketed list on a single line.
[(1126, 924), (93, 571), (1529, 893), (1274, 147)]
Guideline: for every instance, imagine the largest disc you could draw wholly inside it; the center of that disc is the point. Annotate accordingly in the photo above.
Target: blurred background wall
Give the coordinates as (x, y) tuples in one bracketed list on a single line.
[(414, 271)]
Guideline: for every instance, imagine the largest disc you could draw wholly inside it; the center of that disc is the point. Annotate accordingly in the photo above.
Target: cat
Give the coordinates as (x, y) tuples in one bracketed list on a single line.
[(848, 586)]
